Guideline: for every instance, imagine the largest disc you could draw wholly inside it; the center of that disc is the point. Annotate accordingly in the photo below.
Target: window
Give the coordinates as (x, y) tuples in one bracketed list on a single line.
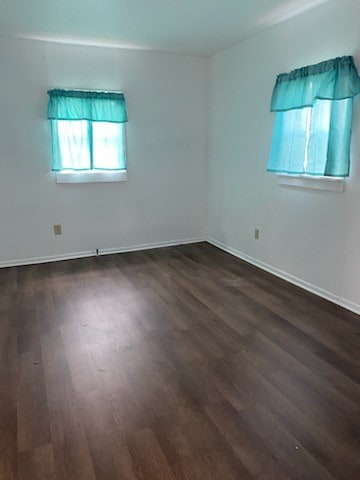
[(88, 131), (312, 129), (85, 145)]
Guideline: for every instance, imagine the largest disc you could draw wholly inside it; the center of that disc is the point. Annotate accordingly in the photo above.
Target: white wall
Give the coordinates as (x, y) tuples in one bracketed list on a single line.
[(311, 235), (164, 198)]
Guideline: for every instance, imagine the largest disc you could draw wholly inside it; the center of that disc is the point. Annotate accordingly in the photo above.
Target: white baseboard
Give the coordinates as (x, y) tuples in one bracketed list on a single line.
[(92, 253), (149, 246), (353, 307), (48, 259)]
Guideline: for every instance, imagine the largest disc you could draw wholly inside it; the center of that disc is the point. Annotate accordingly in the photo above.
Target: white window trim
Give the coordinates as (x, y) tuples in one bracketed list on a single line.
[(333, 184), (91, 176)]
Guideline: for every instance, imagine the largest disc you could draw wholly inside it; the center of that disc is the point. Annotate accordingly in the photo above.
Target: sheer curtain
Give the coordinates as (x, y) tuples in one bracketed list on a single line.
[(87, 130), (313, 108)]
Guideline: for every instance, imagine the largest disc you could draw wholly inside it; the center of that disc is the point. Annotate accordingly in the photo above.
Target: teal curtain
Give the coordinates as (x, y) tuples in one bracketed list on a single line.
[(312, 129), (81, 105), (88, 130)]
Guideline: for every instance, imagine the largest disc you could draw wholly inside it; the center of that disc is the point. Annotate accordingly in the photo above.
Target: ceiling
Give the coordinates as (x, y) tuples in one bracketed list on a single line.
[(200, 27)]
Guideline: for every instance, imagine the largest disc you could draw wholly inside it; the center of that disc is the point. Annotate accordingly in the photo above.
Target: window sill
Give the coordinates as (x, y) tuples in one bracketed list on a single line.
[(333, 184), (91, 176)]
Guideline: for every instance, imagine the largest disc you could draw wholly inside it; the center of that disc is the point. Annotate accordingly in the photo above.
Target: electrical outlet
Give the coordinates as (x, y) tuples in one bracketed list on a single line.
[(257, 234), (57, 230)]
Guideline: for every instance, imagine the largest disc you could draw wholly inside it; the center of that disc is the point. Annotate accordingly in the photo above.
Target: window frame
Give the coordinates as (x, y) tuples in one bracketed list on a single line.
[(91, 176), (321, 182), (335, 80), (304, 180), (90, 148), (95, 175)]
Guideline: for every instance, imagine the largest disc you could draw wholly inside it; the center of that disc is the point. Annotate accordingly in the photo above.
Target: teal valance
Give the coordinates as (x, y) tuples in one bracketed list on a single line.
[(87, 105), (335, 79)]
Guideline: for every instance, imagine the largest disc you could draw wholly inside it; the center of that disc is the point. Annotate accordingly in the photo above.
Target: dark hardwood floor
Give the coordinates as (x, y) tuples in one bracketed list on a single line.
[(177, 363)]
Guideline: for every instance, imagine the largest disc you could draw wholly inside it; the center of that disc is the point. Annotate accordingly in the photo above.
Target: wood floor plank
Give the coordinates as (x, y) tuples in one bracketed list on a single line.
[(286, 448), (181, 363), (246, 444), (195, 448), (33, 426), (38, 464), (71, 449), (331, 421), (149, 460)]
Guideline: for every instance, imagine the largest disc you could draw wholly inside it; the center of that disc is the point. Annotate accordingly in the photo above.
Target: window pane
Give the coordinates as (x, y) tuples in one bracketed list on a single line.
[(319, 137), (289, 141), (313, 140), (329, 148), (73, 144), (338, 157), (108, 146)]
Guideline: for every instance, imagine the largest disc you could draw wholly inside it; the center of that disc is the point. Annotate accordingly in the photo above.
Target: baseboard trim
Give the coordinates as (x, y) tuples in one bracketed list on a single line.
[(149, 246), (353, 307), (105, 251), (47, 259)]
